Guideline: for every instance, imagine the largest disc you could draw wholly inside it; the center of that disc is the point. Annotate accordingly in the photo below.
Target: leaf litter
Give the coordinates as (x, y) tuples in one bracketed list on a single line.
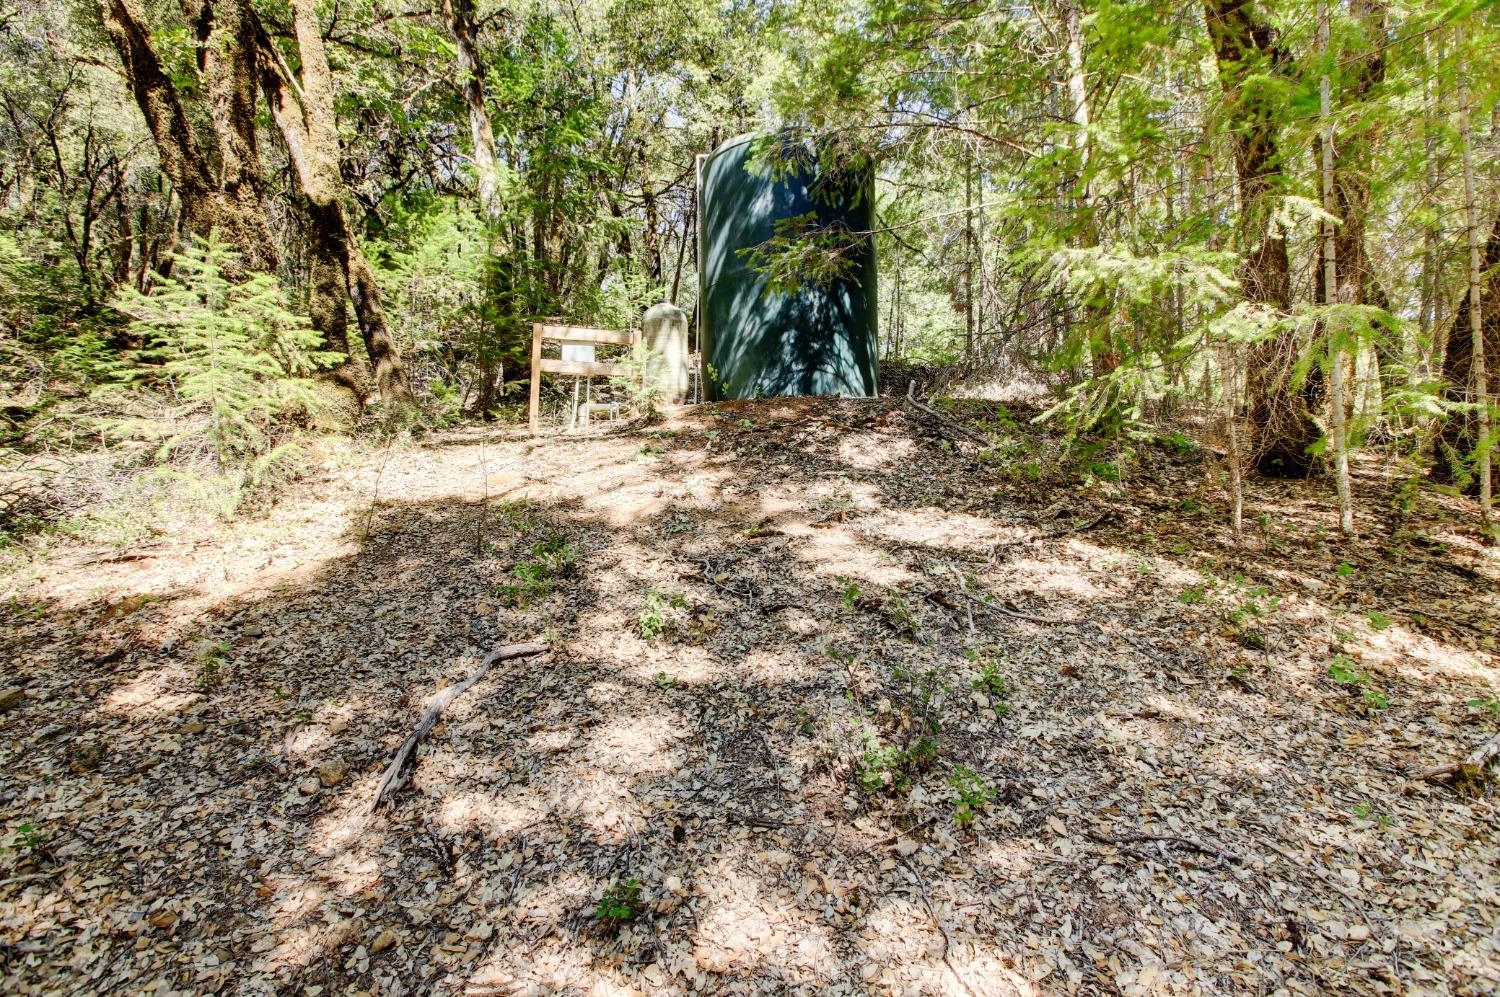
[(834, 701)]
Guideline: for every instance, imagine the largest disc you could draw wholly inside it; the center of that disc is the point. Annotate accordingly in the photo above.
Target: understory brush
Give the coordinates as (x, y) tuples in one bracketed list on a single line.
[(207, 405)]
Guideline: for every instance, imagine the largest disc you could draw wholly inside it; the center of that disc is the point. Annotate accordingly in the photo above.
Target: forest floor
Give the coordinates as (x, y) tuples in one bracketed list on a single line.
[(792, 645)]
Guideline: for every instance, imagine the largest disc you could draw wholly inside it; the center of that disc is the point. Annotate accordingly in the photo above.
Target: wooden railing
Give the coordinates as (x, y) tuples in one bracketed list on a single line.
[(553, 333)]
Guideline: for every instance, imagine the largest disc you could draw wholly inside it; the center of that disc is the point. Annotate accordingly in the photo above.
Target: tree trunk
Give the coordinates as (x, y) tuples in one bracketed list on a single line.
[(228, 56), (1353, 153), (459, 17), (1283, 428), (1331, 278), (207, 205), (305, 118), (1460, 432)]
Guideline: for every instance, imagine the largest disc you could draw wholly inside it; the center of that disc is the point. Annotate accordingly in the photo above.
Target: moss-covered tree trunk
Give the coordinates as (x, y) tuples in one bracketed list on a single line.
[(304, 115), (231, 201)]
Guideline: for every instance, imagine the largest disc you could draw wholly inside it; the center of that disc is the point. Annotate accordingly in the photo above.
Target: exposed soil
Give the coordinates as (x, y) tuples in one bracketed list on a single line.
[(780, 632)]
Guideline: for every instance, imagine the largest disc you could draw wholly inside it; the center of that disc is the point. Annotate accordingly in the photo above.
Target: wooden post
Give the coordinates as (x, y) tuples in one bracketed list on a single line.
[(536, 376)]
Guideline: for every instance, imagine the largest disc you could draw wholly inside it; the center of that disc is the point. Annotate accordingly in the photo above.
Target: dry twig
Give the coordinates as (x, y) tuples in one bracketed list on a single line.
[(1485, 754), (399, 769), (911, 399)]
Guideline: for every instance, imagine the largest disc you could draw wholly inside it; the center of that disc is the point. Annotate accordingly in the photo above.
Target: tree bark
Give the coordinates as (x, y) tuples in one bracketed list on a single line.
[(1353, 152), (236, 211), (1460, 431), (305, 117), (227, 61), (1283, 428), (459, 17)]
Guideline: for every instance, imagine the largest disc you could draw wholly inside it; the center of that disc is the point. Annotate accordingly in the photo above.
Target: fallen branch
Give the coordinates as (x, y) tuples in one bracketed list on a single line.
[(399, 770), (1136, 837), (911, 398), (1485, 754)]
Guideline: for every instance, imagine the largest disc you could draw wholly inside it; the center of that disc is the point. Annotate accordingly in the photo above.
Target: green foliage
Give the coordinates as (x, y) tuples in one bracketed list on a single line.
[(1104, 471), (803, 250), (210, 658), (891, 767), (652, 621), (1192, 595), (546, 562), (232, 353), (990, 680), (972, 794), (27, 838), (1343, 671), (621, 903)]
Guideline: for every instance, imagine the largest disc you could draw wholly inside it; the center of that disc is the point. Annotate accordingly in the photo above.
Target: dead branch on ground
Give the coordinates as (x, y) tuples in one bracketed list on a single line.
[(1473, 765), (957, 427), (400, 767)]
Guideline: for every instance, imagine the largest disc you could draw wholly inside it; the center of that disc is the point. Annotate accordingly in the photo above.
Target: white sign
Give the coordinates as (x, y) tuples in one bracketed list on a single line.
[(578, 352)]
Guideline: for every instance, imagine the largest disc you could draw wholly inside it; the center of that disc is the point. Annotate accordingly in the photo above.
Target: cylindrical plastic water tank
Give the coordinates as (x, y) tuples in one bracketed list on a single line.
[(756, 341)]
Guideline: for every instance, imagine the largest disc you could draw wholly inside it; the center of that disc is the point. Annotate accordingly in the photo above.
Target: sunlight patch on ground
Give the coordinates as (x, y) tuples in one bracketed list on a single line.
[(152, 694), (1050, 578), (949, 531), (874, 451), (499, 815), (742, 926)]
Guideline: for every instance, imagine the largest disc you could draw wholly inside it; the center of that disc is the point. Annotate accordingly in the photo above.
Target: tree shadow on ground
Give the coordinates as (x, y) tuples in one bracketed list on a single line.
[(1174, 804)]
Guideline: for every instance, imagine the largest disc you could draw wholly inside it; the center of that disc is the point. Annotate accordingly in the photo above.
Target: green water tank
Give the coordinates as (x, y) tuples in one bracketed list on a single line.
[(756, 341)]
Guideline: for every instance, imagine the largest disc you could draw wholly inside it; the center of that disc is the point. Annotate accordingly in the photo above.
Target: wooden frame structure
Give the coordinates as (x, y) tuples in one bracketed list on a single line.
[(558, 333)]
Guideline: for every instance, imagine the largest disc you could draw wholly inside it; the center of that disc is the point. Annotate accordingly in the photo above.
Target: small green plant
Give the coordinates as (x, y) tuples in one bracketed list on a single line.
[(1488, 703), (887, 766), (665, 681), (1104, 471), (232, 356), (1177, 441), (1190, 505), (744, 424), (835, 506), (652, 621), (972, 794), (990, 680), (1345, 569), (1192, 595), (1378, 620), (1342, 671), (620, 903), (27, 838), (898, 614), (547, 562), (210, 660), (647, 453), (849, 593)]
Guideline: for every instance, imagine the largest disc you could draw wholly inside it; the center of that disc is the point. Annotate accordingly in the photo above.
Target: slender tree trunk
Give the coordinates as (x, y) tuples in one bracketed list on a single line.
[(459, 17), (1478, 376), (1330, 280), (1246, 48), (1459, 435)]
